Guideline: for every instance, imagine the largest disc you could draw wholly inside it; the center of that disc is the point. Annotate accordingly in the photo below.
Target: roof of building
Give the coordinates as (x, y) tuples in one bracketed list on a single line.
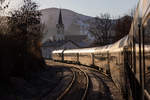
[(53, 43), (56, 44), (75, 37)]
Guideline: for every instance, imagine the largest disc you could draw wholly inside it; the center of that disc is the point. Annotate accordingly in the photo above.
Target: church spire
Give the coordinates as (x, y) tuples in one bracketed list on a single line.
[(60, 21), (60, 28)]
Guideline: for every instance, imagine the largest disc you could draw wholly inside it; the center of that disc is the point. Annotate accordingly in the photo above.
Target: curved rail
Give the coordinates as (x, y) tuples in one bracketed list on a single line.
[(71, 84), (68, 88), (95, 71), (87, 85), (103, 74), (85, 69)]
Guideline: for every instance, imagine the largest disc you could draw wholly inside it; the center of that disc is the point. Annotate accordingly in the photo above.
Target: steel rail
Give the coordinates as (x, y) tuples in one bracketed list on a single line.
[(71, 84), (68, 88)]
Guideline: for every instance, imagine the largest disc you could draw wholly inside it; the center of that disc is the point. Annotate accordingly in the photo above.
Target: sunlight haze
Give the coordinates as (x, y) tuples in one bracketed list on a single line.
[(87, 7), (92, 7)]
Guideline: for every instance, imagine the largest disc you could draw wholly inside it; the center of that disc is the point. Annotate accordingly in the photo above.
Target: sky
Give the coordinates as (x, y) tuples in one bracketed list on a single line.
[(89, 7), (92, 7)]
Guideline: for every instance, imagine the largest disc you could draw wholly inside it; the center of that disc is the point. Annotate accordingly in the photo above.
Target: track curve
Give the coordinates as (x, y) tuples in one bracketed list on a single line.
[(80, 85)]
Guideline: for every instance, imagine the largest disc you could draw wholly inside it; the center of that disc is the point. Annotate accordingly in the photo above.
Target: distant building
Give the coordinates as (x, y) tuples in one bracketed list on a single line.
[(60, 29), (62, 41)]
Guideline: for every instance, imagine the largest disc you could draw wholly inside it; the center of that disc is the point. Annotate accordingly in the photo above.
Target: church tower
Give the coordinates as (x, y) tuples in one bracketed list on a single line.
[(60, 28)]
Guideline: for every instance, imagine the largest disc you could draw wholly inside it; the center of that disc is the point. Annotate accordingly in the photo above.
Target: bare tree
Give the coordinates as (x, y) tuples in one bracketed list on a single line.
[(4, 29), (25, 22), (122, 26), (100, 28), (132, 12)]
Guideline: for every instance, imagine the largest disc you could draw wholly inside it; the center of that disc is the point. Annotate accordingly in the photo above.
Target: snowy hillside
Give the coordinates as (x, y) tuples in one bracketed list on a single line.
[(75, 24)]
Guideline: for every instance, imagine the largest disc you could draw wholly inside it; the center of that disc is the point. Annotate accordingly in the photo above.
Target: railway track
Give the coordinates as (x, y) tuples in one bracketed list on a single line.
[(77, 90), (63, 87), (107, 87), (98, 71), (106, 84), (94, 70), (68, 88), (91, 77)]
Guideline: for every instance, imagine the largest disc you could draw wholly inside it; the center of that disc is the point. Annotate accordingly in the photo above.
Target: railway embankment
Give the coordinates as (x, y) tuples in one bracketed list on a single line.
[(60, 81), (47, 84), (99, 85)]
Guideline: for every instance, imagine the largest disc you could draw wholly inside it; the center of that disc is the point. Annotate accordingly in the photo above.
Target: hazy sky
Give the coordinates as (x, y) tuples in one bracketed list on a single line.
[(90, 7)]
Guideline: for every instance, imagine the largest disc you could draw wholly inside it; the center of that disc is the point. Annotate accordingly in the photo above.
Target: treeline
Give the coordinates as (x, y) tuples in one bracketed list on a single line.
[(107, 31)]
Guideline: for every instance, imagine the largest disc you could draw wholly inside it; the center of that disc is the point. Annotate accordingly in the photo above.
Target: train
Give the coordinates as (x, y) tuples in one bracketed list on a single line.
[(111, 59), (127, 61)]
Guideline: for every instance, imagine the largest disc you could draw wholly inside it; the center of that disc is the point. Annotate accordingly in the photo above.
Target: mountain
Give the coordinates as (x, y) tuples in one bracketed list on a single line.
[(75, 24)]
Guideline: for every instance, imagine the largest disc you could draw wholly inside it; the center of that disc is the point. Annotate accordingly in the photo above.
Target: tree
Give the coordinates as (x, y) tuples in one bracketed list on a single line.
[(100, 28), (3, 19), (132, 12), (122, 26), (25, 22), (21, 54)]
